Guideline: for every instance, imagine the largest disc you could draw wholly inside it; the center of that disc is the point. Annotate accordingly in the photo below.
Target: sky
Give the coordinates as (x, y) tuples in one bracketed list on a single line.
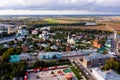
[(49, 7)]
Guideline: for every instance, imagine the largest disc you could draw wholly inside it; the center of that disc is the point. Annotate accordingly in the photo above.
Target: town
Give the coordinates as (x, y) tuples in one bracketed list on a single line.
[(62, 48)]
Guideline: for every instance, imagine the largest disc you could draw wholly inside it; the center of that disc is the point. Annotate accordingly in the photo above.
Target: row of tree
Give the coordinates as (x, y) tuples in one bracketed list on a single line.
[(59, 24), (51, 63), (74, 30), (10, 51), (112, 64), (10, 70)]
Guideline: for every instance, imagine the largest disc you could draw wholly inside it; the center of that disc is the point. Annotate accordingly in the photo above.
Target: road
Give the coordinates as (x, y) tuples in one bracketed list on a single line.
[(85, 70)]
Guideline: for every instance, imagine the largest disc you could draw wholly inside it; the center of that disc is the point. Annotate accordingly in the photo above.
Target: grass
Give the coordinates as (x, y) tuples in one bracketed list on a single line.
[(50, 20), (67, 70), (80, 70), (75, 71)]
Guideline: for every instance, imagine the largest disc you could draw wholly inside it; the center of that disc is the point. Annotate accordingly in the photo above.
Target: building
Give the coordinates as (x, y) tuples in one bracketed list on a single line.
[(49, 55), (118, 46), (108, 43), (34, 32), (25, 47), (14, 58), (8, 39), (101, 50), (90, 24), (18, 58), (24, 57), (22, 32), (7, 28), (70, 40), (44, 35), (45, 28), (96, 59), (96, 44), (68, 48), (105, 75)]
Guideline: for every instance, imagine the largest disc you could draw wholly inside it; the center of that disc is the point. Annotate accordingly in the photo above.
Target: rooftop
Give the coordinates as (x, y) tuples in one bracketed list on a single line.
[(98, 56), (108, 75)]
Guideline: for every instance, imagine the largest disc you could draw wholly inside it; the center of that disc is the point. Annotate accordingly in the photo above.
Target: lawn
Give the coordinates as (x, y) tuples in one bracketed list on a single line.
[(50, 20), (67, 70), (75, 71)]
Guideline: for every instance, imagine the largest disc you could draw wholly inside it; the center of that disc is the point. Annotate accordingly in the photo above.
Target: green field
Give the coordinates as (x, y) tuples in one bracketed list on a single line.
[(50, 20), (76, 72)]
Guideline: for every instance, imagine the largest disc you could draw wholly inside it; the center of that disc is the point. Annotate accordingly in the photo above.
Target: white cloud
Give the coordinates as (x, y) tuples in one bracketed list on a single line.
[(15, 6), (22, 3), (112, 3), (48, 12)]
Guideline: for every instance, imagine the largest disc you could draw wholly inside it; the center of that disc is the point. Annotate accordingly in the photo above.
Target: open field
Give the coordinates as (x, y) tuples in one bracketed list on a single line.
[(76, 18), (67, 20), (115, 26), (50, 20), (114, 18), (101, 27)]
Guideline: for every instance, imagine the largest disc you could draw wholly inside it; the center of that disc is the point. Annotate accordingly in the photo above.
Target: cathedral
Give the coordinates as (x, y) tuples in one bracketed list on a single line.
[(70, 40)]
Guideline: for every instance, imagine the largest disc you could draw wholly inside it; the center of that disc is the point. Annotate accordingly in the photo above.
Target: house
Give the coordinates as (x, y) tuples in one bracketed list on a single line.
[(44, 45), (22, 32), (105, 75), (44, 35), (25, 47), (54, 47), (34, 32), (68, 48)]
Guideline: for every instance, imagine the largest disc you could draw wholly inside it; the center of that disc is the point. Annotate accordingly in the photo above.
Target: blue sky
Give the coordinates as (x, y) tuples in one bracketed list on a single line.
[(59, 7)]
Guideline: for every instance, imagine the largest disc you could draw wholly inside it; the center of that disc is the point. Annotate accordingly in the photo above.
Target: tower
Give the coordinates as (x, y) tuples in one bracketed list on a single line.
[(114, 42), (9, 30)]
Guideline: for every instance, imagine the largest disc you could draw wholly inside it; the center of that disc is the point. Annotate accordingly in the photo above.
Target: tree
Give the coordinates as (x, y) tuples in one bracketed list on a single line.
[(6, 55), (112, 64), (54, 57), (105, 52)]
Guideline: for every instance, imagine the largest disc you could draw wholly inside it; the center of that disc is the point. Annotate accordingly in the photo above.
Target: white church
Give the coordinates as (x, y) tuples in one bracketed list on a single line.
[(70, 40)]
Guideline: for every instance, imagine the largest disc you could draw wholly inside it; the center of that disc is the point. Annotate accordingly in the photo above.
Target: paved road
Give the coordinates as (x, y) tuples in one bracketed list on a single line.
[(85, 70)]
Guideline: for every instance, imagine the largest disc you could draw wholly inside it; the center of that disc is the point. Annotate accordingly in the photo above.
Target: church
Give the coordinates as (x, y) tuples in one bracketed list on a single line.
[(70, 40)]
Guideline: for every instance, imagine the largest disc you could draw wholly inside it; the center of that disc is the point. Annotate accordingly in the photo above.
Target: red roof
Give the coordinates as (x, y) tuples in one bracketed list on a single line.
[(25, 78), (44, 69), (69, 75)]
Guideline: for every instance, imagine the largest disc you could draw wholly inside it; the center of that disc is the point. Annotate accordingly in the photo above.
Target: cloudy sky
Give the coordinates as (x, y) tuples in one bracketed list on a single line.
[(24, 7)]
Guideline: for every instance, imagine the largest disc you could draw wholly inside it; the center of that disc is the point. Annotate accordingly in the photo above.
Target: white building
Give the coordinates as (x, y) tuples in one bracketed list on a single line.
[(105, 75), (25, 56), (22, 32), (44, 35), (34, 32), (70, 40), (90, 24)]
